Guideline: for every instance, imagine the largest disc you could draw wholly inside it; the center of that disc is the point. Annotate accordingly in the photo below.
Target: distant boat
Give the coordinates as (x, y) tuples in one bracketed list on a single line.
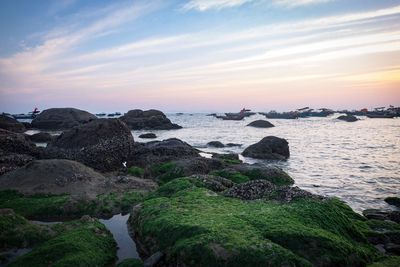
[(381, 116), (114, 114), (30, 115), (100, 114), (237, 116)]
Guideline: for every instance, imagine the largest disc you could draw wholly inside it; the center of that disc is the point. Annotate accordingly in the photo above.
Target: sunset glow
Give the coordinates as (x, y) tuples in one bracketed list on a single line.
[(199, 55)]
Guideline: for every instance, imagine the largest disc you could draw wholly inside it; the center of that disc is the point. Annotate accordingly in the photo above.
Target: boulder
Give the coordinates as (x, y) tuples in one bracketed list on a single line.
[(162, 151), (251, 190), (290, 193), (61, 118), (217, 144), (10, 124), (269, 147), (54, 176), (15, 150), (383, 215), (395, 201), (40, 137), (261, 124), (348, 118), (148, 136), (261, 172), (152, 119), (103, 144)]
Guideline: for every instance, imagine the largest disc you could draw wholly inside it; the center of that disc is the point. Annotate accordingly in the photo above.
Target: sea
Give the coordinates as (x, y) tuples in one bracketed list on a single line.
[(358, 162)]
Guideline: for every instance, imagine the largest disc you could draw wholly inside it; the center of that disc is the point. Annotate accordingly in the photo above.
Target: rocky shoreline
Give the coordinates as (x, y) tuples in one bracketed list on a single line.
[(186, 210)]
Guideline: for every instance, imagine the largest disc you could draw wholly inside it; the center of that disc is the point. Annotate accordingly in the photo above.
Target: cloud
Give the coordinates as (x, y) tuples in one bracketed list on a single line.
[(204, 5), (296, 3)]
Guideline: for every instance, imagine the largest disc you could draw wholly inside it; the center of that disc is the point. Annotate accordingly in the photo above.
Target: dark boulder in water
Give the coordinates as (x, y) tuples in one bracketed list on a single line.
[(40, 137), (15, 150), (269, 147), (162, 151), (216, 144), (261, 124), (55, 176), (148, 136), (61, 118), (152, 119), (348, 118), (11, 124), (395, 201), (103, 144)]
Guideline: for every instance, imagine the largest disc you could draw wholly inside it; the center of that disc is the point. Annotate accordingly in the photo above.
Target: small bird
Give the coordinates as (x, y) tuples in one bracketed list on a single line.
[(124, 163)]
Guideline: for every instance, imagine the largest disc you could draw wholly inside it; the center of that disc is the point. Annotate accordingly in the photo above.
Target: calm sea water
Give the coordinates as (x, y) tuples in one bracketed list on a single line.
[(358, 162)]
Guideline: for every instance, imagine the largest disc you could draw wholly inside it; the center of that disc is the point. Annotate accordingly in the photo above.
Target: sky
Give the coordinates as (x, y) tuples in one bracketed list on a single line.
[(199, 55)]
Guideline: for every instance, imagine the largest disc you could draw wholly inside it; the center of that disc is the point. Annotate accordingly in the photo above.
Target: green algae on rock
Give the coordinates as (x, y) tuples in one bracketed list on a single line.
[(130, 263), (17, 232), (80, 243), (42, 206), (194, 226)]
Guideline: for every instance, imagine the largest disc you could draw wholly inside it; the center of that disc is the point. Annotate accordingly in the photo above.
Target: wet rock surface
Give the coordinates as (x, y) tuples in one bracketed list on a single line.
[(269, 147), (148, 120), (61, 118), (148, 136), (109, 146), (382, 215), (251, 190), (40, 137)]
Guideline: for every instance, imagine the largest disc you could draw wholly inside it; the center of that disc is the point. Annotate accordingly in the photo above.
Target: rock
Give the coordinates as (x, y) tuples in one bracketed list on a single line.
[(166, 172), (382, 215), (392, 248), (27, 125), (261, 172), (103, 144), (288, 193), (227, 157), (153, 259), (148, 136), (15, 150), (212, 182), (251, 190), (348, 118), (208, 229), (233, 144), (55, 176), (261, 124), (10, 124), (269, 147), (40, 137), (148, 120), (162, 151), (61, 118), (217, 144), (395, 201)]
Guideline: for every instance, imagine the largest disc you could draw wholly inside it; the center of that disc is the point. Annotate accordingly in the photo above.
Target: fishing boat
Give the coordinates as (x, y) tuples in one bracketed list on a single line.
[(381, 116), (30, 115)]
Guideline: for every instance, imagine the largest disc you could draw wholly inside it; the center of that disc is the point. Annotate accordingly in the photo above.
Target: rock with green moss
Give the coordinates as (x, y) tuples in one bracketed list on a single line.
[(52, 207), (131, 263), (82, 243), (391, 261), (136, 171), (194, 226), (395, 201), (17, 232)]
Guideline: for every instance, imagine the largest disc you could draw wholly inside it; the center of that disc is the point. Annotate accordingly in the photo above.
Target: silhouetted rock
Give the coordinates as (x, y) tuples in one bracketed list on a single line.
[(217, 144), (261, 124), (61, 118), (152, 119), (269, 147), (103, 144), (148, 136), (11, 124), (348, 118), (40, 137), (162, 151)]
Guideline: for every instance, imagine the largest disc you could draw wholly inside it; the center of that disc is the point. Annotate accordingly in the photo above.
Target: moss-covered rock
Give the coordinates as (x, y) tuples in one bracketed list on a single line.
[(64, 206), (130, 263), (17, 232), (136, 171), (194, 226), (393, 261), (81, 243)]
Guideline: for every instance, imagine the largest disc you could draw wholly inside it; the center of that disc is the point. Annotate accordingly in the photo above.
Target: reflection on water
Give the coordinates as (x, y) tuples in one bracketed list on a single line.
[(357, 162), (117, 225)]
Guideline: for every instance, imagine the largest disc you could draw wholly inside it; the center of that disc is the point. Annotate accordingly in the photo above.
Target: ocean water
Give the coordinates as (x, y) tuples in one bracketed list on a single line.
[(358, 162)]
